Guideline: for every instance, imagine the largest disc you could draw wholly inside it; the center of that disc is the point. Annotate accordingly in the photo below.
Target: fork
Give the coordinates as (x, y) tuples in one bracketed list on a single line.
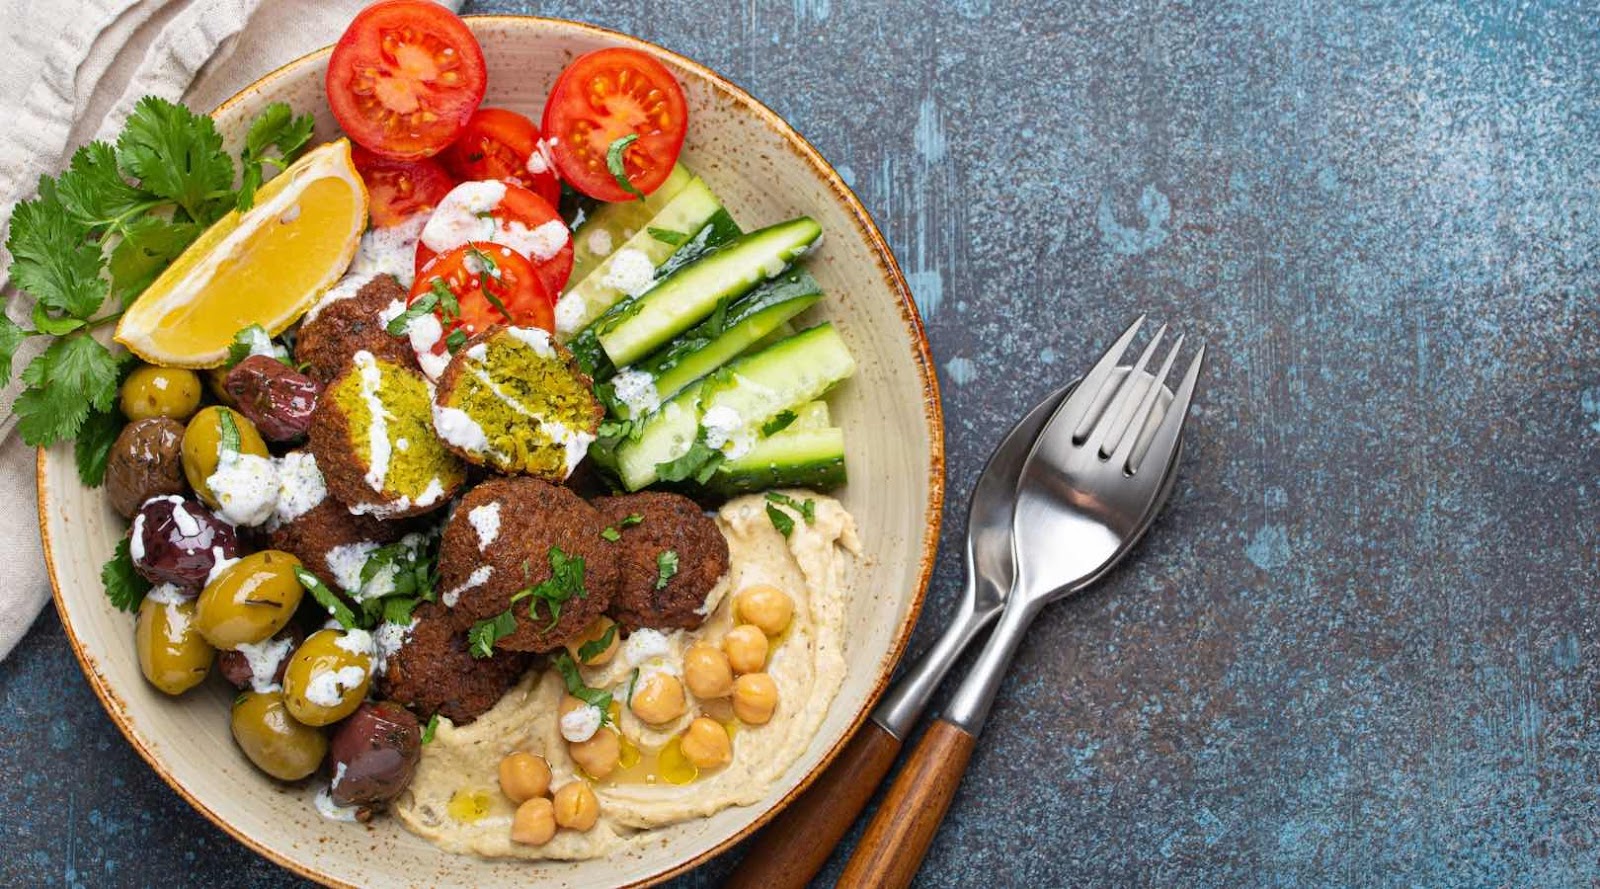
[(1094, 473)]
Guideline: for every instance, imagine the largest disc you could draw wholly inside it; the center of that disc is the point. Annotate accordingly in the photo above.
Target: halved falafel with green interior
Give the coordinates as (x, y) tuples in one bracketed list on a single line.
[(372, 434), (514, 400), (669, 555), (335, 331), (530, 555), (434, 670)]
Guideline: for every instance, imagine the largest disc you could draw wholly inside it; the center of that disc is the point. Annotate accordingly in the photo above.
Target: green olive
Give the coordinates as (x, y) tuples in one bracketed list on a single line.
[(217, 385), (202, 447), (151, 391), (328, 676), (172, 654), (274, 741), (250, 600)]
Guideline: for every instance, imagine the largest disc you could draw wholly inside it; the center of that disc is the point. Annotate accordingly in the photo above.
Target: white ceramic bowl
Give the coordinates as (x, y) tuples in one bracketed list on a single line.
[(764, 172)]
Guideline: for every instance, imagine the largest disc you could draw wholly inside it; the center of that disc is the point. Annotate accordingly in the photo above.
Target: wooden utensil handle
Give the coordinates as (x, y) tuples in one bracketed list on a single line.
[(790, 850), (897, 838)]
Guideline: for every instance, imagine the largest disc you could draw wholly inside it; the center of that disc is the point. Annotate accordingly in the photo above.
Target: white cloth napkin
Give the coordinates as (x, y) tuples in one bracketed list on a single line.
[(72, 71)]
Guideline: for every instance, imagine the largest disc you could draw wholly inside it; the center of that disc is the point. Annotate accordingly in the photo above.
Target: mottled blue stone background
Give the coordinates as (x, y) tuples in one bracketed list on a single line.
[(1362, 647)]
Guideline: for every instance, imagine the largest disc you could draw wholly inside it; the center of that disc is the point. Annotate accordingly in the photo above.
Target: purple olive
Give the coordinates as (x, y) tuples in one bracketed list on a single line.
[(273, 396), (374, 753), (238, 666), (178, 541)]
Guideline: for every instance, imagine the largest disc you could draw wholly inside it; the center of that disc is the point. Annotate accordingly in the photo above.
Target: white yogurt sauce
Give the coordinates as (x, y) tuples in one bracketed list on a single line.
[(300, 487), (391, 250), (630, 271), (479, 576), (579, 725), (637, 390), (264, 657), (378, 428), (246, 487), (485, 520)]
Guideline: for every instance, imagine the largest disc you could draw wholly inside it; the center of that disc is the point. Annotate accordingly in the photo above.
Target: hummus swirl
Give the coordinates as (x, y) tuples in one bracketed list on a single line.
[(813, 565)]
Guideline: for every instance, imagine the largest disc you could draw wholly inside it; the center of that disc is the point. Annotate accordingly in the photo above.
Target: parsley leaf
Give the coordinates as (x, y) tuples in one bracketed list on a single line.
[(94, 192), (667, 235), (779, 423), (565, 581), (422, 305), (69, 379), (698, 463), (611, 534), (780, 520), (666, 567), (594, 697), (485, 633), (229, 433), (11, 336), (807, 509), (53, 257), (326, 598), (619, 170), (455, 340), (430, 728), (630, 520), (592, 649), (124, 586), (245, 341), (177, 154), (149, 244), (93, 447), (275, 127)]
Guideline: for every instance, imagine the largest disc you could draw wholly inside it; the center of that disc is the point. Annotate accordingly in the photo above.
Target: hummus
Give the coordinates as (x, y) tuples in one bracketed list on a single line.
[(455, 800)]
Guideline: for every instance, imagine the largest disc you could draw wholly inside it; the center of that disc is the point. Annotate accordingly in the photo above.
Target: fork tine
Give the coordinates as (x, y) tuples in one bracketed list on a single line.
[(1086, 400), (1116, 414), (1166, 438), (1123, 449)]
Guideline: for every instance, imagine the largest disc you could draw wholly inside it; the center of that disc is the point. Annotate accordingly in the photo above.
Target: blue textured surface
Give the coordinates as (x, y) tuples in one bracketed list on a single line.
[(1362, 647)]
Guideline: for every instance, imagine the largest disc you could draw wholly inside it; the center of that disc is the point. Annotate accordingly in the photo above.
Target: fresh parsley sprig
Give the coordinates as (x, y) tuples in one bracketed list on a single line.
[(782, 520), (327, 598), (618, 167), (592, 649), (564, 583), (124, 586), (594, 697), (485, 633), (666, 567)]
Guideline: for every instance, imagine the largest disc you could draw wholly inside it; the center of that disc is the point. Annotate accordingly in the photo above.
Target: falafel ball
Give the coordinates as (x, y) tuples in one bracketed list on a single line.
[(537, 543), (340, 329), (667, 523), (435, 672), (326, 529)]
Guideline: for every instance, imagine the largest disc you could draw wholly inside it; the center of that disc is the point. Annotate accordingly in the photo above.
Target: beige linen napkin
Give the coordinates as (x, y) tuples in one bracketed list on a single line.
[(71, 72)]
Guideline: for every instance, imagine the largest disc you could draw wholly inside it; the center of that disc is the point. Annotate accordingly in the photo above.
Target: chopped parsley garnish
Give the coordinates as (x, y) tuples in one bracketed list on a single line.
[(780, 520), (230, 442), (592, 649), (700, 462), (455, 340), (409, 567), (611, 534), (614, 533), (594, 697), (430, 728), (619, 170), (666, 567), (326, 598), (125, 587), (244, 343), (449, 306), (777, 424), (806, 508), (667, 235), (564, 582), (630, 520), (420, 306), (485, 633), (616, 430)]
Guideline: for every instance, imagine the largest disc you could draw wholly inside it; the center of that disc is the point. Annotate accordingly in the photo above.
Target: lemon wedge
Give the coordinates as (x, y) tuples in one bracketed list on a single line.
[(265, 266)]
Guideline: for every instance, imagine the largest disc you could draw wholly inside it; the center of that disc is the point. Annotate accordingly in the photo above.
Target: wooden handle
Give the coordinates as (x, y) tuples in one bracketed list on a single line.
[(897, 838), (790, 851)]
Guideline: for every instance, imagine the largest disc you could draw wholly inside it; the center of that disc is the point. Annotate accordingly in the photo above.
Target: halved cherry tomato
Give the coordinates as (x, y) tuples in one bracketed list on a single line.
[(490, 284), (501, 144), (515, 222), (405, 78), (608, 95), (398, 190)]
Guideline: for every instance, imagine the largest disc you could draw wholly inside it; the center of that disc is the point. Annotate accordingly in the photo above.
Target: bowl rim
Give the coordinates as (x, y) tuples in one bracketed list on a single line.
[(932, 409)]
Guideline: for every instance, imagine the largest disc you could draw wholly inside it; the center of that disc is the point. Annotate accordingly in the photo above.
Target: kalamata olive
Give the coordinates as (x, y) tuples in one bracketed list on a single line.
[(260, 665), (328, 676), (202, 447), (176, 540), (146, 461), (374, 753), (277, 398), (250, 601), (172, 655), (274, 741), (151, 391)]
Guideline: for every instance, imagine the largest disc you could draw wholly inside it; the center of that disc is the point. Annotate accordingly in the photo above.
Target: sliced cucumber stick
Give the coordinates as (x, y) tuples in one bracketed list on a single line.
[(619, 222), (794, 458)]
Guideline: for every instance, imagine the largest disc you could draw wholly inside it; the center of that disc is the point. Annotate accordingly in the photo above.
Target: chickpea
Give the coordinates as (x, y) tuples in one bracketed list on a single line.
[(706, 670), (594, 633), (766, 606), (599, 755), (746, 646), (755, 696), (535, 823), (524, 776), (705, 744), (576, 806), (659, 699)]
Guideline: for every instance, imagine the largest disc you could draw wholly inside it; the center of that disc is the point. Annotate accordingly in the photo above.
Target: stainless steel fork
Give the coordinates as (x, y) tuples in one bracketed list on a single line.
[(1082, 499)]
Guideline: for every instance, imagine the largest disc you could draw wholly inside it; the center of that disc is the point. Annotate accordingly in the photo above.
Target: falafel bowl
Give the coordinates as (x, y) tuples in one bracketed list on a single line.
[(580, 528)]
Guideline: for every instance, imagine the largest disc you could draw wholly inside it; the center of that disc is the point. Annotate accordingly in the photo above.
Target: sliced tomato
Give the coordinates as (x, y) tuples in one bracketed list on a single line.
[(488, 284), (398, 190), (501, 144), (607, 95), (405, 78), (516, 223)]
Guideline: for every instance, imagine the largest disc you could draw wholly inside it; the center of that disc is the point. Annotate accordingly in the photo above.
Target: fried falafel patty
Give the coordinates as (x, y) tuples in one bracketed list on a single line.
[(329, 339), (533, 549), (328, 540), (514, 400), (372, 434), (435, 672), (665, 523)]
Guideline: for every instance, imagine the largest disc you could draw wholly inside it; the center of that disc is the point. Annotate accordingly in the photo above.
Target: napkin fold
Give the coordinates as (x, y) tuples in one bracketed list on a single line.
[(72, 73)]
